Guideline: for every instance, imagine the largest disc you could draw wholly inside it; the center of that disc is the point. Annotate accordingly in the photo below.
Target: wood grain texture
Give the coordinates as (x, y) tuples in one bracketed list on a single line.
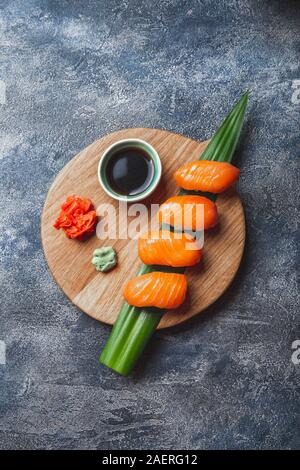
[(100, 294)]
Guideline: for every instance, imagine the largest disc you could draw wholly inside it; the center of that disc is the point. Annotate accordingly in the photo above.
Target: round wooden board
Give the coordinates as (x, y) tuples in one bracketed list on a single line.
[(100, 294)]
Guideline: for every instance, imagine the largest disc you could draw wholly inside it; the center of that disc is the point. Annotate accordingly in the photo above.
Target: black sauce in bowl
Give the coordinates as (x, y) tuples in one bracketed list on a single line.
[(130, 171)]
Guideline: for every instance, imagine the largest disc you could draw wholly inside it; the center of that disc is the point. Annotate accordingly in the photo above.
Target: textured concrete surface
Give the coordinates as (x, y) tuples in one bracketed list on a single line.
[(72, 71)]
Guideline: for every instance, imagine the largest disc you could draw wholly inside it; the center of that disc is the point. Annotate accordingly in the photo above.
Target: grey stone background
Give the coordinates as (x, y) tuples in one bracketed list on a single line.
[(74, 71)]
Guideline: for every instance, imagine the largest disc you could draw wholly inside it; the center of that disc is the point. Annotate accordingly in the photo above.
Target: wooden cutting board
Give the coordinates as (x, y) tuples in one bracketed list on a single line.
[(100, 294)]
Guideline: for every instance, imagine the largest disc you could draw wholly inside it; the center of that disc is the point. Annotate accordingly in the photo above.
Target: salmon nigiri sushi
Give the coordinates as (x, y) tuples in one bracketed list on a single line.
[(182, 211), (206, 175), (167, 249), (156, 289)]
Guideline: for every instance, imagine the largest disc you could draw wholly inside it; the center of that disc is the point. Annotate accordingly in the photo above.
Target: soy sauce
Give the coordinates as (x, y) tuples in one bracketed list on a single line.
[(130, 171)]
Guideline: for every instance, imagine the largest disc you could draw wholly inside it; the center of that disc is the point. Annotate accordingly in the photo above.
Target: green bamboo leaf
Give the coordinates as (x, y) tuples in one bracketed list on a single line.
[(223, 144), (135, 326)]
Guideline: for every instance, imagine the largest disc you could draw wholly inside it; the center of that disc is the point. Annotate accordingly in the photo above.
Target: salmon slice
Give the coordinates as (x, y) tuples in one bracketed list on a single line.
[(157, 289), (182, 211), (164, 248), (205, 175)]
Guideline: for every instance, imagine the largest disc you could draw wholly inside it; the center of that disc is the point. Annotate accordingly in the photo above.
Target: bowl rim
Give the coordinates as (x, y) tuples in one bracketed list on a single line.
[(156, 176)]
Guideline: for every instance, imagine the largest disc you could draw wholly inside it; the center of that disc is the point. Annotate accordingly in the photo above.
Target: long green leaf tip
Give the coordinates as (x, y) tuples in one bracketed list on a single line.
[(135, 326), (223, 144)]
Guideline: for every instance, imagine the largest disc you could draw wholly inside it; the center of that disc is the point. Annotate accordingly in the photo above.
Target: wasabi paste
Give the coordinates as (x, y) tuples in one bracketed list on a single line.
[(104, 258)]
